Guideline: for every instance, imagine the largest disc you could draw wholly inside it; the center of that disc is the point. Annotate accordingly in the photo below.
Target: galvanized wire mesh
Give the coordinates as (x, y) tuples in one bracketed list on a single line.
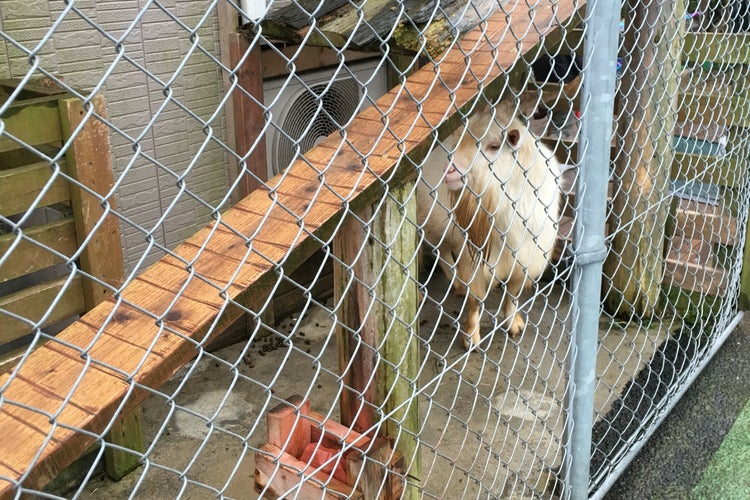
[(416, 339), (691, 207)]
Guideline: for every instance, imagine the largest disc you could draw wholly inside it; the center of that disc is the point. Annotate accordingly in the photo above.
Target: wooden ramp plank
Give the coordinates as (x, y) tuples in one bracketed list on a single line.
[(237, 255)]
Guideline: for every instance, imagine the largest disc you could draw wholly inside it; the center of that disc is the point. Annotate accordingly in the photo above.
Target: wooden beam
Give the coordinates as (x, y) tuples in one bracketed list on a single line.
[(275, 62), (339, 24), (288, 427), (228, 20), (744, 300), (90, 164), (126, 432)]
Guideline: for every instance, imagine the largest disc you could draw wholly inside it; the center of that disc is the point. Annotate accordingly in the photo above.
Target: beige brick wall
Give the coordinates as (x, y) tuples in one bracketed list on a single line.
[(164, 62)]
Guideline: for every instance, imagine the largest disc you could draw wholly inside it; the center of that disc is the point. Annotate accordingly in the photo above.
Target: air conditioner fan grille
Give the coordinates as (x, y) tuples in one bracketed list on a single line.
[(319, 115)]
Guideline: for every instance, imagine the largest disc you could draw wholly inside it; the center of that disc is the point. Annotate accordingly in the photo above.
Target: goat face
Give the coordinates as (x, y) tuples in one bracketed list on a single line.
[(475, 158)]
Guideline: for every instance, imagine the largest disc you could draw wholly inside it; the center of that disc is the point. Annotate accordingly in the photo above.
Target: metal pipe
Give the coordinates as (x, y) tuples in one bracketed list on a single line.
[(623, 464), (597, 98), (253, 10)]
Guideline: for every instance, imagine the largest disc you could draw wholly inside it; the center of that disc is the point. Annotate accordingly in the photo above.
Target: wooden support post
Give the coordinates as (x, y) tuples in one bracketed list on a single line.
[(89, 161), (128, 433), (648, 103), (244, 117), (742, 136), (248, 114), (376, 297)]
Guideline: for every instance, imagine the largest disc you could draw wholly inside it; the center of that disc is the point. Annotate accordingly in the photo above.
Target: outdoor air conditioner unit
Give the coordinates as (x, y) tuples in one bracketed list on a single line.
[(298, 117)]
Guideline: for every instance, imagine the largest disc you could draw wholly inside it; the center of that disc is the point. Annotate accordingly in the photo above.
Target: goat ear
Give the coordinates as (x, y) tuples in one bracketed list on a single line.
[(513, 136)]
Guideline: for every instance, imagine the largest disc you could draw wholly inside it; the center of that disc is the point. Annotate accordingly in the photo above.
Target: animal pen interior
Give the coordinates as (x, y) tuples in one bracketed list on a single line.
[(362, 388)]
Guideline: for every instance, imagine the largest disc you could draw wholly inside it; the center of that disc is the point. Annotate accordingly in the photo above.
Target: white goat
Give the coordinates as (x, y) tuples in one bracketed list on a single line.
[(491, 212)]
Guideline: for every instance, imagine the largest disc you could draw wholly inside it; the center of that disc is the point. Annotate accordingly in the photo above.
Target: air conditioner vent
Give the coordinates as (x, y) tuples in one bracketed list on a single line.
[(311, 106), (311, 118)]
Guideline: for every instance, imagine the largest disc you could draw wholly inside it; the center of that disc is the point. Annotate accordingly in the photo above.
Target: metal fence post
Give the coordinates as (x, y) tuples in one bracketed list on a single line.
[(589, 245)]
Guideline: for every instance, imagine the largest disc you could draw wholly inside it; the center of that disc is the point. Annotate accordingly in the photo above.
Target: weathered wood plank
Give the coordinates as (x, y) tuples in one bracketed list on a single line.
[(274, 62), (635, 262), (248, 116), (26, 257), (20, 186), (744, 299), (283, 468), (34, 88), (338, 23), (33, 122), (258, 231), (33, 302), (378, 338), (709, 169), (286, 428), (128, 433), (90, 163), (711, 227), (697, 278), (728, 48), (718, 109)]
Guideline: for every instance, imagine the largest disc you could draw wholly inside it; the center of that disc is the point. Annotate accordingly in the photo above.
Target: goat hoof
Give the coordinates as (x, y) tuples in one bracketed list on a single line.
[(516, 326), (470, 345), (471, 342)]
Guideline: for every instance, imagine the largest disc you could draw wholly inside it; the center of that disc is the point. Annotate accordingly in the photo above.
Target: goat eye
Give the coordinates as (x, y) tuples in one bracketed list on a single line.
[(494, 147)]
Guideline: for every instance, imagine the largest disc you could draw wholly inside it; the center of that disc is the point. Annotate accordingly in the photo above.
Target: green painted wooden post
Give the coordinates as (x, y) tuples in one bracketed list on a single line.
[(376, 298)]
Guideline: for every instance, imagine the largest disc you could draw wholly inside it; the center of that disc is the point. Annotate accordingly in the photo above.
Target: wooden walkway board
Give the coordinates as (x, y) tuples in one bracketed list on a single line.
[(153, 327)]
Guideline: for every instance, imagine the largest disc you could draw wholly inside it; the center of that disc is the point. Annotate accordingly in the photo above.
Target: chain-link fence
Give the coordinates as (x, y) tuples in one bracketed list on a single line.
[(378, 249)]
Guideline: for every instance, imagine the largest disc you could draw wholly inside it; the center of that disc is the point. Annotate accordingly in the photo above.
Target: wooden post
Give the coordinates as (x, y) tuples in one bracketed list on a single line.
[(244, 118), (376, 297), (248, 115), (89, 161), (648, 99), (128, 433)]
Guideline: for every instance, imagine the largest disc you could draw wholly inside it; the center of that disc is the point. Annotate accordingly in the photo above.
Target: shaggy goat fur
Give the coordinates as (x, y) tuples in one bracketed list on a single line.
[(490, 209)]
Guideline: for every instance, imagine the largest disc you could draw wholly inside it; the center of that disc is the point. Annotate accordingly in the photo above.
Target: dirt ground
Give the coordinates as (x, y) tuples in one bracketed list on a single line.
[(493, 421)]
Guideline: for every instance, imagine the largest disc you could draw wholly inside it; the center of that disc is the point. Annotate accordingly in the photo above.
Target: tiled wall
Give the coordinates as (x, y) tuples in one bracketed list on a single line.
[(164, 47)]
